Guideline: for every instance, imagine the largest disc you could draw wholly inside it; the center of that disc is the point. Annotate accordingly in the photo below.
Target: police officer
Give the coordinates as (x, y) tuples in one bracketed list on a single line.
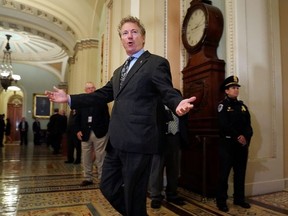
[(235, 132)]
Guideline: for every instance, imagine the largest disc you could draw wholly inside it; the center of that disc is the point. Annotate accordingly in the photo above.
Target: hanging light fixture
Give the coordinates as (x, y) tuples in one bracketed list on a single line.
[(6, 70)]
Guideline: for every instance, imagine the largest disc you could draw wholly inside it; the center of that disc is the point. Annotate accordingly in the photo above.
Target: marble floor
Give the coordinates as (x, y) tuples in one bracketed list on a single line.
[(36, 182)]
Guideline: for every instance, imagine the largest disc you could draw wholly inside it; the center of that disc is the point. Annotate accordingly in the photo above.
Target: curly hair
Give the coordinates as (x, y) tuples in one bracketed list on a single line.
[(132, 20)]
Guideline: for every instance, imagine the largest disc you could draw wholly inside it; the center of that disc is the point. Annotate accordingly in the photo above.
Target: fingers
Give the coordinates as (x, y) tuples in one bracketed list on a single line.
[(79, 138), (47, 93), (241, 139), (79, 135), (184, 109), (191, 99), (50, 92), (55, 88), (185, 106)]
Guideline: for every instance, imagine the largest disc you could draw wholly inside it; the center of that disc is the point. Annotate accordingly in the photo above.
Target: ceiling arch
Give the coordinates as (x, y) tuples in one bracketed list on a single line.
[(44, 33)]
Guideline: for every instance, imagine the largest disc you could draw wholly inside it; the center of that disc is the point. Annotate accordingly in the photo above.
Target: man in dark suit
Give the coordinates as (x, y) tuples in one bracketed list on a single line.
[(72, 140), (133, 135), (23, 128), (92, 126), (36, 131), (173, 136), (56, 127)]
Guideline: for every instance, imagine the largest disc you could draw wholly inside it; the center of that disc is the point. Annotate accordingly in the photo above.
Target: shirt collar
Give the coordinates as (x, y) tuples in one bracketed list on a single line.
[(138, 54)]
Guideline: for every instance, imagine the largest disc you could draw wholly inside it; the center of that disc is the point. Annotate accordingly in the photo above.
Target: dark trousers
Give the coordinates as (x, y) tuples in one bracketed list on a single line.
[(55, 140), (23, 138), (73, 143), (124, 181), (232, 155), (1, 138), (37, 137), (169, 159)]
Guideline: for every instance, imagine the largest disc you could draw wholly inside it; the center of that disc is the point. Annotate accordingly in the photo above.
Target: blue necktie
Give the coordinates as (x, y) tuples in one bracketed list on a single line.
[(124, 70)]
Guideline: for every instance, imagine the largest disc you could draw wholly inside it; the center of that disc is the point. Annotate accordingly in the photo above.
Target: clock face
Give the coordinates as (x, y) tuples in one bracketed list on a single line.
[(195, 27)]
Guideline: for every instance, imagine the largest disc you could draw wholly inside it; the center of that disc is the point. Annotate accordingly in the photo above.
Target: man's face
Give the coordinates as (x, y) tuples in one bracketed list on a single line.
[(89, 88), (131, 37)]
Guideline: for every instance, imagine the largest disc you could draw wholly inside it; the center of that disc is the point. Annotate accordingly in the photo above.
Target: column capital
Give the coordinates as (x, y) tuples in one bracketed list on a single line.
[(86, 44)]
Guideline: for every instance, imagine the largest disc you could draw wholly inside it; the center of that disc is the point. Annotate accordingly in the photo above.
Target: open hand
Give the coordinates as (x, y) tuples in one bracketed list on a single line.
[(185, 106), (58, 95)]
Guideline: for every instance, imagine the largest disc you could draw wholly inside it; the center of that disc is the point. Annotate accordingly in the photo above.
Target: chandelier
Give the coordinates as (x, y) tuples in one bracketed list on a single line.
[(6, 70)]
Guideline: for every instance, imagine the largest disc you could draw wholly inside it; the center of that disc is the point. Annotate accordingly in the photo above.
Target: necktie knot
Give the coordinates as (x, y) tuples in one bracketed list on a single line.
[(125, 70), (129, 59)]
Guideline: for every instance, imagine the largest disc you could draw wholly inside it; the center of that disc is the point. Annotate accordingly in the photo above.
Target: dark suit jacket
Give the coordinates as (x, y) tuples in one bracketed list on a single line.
[(100, 121), (26, 126), (57, 124), (36, 127), (133, 123)]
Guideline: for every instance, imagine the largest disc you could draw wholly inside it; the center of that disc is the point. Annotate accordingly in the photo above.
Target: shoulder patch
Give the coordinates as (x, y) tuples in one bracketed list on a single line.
[(220, 107)]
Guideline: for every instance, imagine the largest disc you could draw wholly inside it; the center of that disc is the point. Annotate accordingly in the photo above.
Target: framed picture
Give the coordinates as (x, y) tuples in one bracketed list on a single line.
[(42, 106)]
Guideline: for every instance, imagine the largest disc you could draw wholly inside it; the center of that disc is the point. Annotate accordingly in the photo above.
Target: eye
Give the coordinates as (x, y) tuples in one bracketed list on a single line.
[(124, 33)]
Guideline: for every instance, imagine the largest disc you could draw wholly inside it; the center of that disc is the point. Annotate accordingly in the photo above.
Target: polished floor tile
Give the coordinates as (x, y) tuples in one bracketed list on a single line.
[(34, 182)]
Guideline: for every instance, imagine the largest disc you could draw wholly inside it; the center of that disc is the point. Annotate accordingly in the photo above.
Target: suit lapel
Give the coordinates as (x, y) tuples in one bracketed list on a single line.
[(138, 64), (117, 78)]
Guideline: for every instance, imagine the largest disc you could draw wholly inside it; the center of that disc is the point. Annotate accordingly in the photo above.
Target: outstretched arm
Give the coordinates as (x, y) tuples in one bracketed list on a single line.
[(58, 95), (185, 106)]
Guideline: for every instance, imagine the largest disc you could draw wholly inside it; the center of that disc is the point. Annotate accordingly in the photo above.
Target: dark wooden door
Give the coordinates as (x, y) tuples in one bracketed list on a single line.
[(14, 112)]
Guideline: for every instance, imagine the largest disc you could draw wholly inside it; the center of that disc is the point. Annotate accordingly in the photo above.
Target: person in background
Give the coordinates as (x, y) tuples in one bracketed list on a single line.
[(72, 140), (64, 130), (135, 88), (56, 127), (8, 138), (235, 133), (2, 129), (174, 136), (36, 131), (23, 128), (64, 119), (92, 127)]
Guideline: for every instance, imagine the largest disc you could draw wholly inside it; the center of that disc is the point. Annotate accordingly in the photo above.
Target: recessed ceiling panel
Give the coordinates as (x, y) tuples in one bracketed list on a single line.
[(25, 46)]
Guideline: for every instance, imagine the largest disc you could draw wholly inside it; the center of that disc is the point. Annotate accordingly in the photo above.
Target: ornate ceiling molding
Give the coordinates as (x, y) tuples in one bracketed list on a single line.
[(27, 9), (21, 28)]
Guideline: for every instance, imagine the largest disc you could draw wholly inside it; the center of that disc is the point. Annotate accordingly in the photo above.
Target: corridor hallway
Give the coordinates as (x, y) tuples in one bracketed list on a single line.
[(36, 182)]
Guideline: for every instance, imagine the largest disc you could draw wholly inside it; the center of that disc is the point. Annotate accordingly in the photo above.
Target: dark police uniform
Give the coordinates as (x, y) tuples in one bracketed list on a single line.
[(234, 120)]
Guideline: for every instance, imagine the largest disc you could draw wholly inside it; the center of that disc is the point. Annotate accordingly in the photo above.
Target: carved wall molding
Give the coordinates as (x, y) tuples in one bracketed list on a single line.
[(230, 37), (86, 44), (165, 27)]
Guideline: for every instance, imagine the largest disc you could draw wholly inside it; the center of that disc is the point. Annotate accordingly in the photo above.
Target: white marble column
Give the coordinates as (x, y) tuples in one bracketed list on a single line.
[(83, 66)]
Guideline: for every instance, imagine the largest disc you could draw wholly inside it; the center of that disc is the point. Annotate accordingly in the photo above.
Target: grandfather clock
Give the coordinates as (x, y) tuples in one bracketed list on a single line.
[(201, 32)]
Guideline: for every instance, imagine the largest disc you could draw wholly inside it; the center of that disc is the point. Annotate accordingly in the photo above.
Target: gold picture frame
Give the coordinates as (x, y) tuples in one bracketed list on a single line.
[(42, 106)]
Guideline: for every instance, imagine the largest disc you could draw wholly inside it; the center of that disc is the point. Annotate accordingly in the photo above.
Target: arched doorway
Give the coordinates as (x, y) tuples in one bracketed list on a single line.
[(14, 113)]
